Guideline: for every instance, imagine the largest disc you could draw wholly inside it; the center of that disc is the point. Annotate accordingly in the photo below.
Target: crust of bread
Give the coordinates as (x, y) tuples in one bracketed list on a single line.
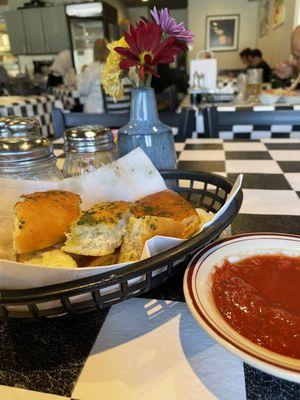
[(166, 214), (170, 205), (90, 261), (42, 218)]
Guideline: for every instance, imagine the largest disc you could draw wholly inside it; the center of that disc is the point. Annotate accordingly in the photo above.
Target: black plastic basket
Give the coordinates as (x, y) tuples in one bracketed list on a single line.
[(203, 190)]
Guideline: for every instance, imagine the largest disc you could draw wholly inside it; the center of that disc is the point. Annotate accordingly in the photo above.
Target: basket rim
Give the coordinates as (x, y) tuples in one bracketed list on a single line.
[(104, 279)]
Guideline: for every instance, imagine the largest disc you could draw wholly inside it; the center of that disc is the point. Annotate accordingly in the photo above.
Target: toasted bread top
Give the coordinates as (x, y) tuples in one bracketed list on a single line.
[(36, 199), (108, 213), (166, 204), (32, 205), (42, 218)]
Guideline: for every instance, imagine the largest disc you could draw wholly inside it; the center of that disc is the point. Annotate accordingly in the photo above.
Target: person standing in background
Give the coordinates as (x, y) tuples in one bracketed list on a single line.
[(285, 70), (258, 63), (61, 66), (89, 81)]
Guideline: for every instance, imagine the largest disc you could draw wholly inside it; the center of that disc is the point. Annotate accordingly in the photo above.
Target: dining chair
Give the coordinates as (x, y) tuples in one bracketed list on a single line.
[(122, 105), (245, 123), (167, 99), (183, 122), (63, 120)]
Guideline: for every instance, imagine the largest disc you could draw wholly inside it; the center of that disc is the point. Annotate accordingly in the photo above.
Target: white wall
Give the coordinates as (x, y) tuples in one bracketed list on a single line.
[(275, 45), (297, 13), (136, 12), (180, 15), (248, 11)]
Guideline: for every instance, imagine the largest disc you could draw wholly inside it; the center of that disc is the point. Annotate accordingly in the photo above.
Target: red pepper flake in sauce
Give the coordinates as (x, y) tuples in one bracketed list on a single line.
[(259, 297)]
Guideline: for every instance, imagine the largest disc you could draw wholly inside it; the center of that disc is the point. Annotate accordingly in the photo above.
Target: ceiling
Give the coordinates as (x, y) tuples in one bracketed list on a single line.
[(158, 3)]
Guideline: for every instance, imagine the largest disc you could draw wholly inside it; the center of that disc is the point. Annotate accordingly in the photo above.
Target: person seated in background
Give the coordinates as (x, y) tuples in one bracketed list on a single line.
[(60, 68), (285, 70), (258, 62), (245, 56), (89, 81)]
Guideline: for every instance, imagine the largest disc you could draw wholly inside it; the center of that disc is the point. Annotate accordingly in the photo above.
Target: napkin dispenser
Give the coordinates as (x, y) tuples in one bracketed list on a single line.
[(203, 74)]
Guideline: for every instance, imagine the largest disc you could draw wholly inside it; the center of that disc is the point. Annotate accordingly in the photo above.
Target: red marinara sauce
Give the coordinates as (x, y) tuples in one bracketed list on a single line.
[(259, 297)]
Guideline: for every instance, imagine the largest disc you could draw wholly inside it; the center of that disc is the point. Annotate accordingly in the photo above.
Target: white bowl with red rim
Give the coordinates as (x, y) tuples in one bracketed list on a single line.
[(199, 298)]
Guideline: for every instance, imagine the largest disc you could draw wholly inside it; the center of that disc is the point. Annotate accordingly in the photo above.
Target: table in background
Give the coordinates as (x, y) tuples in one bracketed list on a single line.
[(48, 356), (39, 107)]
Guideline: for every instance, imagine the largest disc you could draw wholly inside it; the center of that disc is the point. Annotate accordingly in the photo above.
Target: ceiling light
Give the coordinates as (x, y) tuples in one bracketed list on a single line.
[(144, 1)]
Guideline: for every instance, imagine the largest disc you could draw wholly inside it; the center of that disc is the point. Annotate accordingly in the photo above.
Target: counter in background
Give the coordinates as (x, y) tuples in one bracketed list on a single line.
[(39, 107)]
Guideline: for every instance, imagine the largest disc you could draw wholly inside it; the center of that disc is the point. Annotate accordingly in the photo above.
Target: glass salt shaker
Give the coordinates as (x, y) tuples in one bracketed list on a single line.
[(28, 158), (13, 126), (87, 148)]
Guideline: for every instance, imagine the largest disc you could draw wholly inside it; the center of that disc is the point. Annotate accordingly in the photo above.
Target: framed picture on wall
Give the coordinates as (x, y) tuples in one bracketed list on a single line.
[(264, 9), (279, 13), (222, 32)]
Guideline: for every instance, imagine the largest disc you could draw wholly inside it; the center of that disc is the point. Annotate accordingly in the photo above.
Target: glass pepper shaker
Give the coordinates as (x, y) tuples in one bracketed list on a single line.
[(12, 126), (87, 148), (28, 158)]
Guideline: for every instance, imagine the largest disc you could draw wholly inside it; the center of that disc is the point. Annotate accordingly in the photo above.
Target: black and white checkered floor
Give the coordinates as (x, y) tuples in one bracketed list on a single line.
[(271, 187)]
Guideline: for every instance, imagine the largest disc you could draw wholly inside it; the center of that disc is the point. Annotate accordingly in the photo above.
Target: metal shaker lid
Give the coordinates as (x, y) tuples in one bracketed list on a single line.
[(13, 126), (88, 139), (18, 153)]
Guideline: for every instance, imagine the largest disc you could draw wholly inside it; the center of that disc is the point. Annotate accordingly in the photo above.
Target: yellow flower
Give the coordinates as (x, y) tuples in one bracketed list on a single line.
[(112, 83)]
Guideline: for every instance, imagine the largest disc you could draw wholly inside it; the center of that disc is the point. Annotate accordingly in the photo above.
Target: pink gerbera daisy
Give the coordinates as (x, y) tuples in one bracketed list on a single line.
[(170, 26)]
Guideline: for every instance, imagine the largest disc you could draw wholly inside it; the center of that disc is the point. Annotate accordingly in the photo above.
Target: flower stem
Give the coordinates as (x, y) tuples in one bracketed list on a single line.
[(146, 81)]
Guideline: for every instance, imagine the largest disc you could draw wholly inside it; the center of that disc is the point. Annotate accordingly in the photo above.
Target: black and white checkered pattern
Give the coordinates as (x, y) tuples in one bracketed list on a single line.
[(271, 188), (122, 105), (70, 98), (271, 169), (39, 107), (253, 131), (260, 132)]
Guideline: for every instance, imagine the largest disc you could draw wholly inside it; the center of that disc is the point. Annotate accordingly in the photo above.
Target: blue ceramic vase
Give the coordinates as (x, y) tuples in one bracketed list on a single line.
[(146, 131)]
